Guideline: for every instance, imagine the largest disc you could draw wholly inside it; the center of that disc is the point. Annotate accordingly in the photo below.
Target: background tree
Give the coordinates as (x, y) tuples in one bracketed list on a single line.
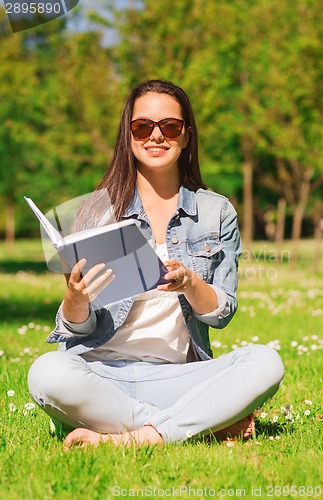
[(238, 61), (59, 114), (252, 69), (18, 136), (293, 96)]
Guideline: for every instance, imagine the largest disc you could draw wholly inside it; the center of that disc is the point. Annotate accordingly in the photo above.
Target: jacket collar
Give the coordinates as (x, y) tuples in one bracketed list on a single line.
[(186, 202)]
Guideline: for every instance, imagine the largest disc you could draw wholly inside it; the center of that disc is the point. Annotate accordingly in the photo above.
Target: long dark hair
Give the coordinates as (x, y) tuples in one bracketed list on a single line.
[(119, 181)]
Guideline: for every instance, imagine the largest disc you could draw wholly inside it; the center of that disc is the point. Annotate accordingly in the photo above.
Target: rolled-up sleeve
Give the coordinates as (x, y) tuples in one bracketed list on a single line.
[(65, 330), (225, 278), (221, 311), (85, 328)]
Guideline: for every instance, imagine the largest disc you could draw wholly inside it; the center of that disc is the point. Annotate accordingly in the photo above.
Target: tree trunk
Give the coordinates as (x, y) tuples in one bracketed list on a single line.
[(280, 227), (318, 245), (248, 167), (297, 222), (10, 221), (299, 214)]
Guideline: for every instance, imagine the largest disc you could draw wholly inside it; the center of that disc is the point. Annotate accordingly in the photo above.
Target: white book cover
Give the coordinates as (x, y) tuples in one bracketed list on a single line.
[(121, 246)]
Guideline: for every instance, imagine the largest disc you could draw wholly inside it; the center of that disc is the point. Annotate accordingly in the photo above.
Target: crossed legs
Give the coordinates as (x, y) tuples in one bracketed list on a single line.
[(153, 403)]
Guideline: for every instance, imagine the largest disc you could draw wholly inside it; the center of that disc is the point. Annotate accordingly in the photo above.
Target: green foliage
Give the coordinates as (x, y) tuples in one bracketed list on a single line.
[(57, 93), (253, 71)]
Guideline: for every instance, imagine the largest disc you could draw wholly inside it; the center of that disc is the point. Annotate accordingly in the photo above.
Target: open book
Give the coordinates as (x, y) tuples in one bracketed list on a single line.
[(121, 246)]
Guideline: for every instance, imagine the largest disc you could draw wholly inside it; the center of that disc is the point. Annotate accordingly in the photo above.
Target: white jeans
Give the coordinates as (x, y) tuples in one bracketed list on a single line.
[(178, 400)]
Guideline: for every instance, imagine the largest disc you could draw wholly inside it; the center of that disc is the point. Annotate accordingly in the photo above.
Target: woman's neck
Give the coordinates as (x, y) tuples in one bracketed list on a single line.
[(156, 185), (159, 197)]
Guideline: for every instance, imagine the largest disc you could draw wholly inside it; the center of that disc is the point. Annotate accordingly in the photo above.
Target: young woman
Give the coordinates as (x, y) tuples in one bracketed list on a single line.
[(141, 370)]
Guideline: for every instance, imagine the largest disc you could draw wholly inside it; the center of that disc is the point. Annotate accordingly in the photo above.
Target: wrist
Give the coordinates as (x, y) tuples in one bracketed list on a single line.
[(76, 301), (192, 285), (75, 312), (201, 296)]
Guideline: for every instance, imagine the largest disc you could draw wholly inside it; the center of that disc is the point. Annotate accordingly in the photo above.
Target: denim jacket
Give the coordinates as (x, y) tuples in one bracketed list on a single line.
[(203, 234)]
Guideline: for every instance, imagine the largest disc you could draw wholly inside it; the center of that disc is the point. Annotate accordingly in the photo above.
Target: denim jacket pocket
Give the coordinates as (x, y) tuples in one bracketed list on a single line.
[(205, 254)]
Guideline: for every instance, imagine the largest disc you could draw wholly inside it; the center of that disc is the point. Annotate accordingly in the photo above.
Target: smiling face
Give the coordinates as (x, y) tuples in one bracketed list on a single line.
[(158, 152)]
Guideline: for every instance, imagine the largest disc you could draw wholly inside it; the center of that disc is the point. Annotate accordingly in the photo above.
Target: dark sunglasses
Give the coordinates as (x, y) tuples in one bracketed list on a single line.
[(169, 127)]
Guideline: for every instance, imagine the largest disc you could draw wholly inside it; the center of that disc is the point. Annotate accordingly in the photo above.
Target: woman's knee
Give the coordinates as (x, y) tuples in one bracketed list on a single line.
[(269, 363), (48, 374)]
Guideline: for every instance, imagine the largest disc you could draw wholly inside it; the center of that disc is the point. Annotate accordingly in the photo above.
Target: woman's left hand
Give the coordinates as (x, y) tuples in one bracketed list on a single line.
[(198, 293), (182, 277)]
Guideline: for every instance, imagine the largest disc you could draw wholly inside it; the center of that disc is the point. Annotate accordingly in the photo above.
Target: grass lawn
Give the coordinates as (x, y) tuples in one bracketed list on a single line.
[(279, 304)]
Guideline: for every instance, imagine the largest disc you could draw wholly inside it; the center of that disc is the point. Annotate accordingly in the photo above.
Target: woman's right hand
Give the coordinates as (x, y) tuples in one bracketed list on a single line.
[(83, 289)]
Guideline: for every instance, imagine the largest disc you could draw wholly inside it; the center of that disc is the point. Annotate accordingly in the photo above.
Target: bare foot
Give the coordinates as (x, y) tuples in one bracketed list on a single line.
[(244, 428), (83, 437), (148, 435)]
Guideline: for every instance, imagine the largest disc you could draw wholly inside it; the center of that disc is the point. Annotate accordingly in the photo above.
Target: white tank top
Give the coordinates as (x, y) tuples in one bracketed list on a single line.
[(154, 329)]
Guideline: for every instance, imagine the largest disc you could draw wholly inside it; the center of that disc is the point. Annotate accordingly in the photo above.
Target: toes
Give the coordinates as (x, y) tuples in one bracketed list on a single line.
[(71, 440), (243, 428), (78, 437)]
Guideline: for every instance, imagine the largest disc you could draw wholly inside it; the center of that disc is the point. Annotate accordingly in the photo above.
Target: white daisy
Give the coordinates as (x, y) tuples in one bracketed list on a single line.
[(29, 406)]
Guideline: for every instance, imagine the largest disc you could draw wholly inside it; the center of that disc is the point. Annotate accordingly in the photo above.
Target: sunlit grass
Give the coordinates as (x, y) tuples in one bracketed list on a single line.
[(285, 312)]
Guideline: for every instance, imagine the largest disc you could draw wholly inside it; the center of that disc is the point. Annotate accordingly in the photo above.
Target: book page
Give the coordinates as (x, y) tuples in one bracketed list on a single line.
[(58, 225), (50, 230)]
